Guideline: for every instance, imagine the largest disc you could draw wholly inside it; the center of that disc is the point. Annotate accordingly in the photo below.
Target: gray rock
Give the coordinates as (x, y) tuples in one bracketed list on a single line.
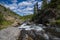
[(10, 33)]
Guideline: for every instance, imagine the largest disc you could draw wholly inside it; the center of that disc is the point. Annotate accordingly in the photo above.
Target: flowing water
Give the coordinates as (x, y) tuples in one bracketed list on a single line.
[(36, 32)]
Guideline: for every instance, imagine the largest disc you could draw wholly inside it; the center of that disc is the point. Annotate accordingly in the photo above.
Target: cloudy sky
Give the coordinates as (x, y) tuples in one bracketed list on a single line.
[(21, 7)]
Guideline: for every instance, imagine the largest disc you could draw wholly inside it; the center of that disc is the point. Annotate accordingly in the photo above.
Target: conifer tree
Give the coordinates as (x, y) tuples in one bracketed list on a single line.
[(44, 4), (36, 8)]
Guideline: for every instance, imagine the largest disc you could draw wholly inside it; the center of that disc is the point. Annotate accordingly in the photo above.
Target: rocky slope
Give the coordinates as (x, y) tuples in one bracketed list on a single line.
[(8, 17)]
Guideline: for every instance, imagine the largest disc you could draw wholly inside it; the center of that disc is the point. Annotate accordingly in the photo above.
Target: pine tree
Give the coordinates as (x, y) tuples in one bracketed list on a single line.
[(53, 4), (35, 11), (36, 8), (44, 4)]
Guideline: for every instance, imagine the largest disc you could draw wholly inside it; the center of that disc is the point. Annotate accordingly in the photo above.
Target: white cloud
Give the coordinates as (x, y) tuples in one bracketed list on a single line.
[(11, 6), (27, 12), (6, 6), (25, 7), (39, 3), (19, 10), (25, 3), (28, 9)]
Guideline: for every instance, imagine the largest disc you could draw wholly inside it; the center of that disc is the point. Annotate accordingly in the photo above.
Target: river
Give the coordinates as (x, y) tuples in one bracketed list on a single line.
[(36, 32)]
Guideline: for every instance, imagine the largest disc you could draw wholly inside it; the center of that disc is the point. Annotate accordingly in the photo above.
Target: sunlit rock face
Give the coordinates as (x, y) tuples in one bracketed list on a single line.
[(10, 33)]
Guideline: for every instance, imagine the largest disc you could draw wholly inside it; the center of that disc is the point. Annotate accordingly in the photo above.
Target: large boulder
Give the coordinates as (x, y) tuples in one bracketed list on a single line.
[(10, 33)]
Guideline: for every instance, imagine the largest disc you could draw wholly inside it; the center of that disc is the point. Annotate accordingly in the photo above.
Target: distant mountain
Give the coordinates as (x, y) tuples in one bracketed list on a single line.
[(8, 17)]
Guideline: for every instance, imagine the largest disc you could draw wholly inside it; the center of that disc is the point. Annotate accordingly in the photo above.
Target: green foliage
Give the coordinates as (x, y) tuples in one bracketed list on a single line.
[(36, 8), (48, 10), (44, 4), (58, 23), (1, 18), (24, 18), (5, 24)]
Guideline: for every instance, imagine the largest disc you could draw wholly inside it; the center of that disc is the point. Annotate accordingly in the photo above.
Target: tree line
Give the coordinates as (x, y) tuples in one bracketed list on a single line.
[(48, 10)]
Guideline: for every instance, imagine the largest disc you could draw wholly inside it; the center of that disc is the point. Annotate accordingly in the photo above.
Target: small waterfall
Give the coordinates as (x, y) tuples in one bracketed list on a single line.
[(33, 32), (30, 27)]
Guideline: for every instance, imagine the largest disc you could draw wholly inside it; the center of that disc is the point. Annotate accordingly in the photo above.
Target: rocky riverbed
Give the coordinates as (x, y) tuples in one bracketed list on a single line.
[(27, 32), (35, 32)]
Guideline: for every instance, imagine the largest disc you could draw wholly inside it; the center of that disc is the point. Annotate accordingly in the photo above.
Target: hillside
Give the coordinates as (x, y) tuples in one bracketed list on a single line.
[(48, 14), (8, 18), (24, 18)]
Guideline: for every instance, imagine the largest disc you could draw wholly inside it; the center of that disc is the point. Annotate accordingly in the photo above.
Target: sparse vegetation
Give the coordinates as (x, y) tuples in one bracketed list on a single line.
[(24, 18), (7, 17)]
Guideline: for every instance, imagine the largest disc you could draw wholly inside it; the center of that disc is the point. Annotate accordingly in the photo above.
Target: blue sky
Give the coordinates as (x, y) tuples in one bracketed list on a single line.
[(21, 7)]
